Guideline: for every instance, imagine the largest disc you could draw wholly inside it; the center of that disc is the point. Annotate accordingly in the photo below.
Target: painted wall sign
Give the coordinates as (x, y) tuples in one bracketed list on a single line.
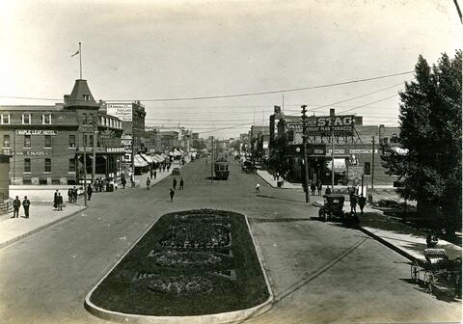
[(121, 111)]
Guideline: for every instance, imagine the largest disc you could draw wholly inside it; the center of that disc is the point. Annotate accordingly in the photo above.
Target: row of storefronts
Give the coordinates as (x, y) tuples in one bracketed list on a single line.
[(333, 143)]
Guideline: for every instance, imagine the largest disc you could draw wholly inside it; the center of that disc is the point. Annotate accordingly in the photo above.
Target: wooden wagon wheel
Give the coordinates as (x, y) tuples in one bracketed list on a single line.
[(322, 214), (414, 269), (429, 282)]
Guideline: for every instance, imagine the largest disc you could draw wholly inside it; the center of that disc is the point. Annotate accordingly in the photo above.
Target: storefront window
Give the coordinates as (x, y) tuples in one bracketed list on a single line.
[(72, 165), (27, 165), (47, 165)]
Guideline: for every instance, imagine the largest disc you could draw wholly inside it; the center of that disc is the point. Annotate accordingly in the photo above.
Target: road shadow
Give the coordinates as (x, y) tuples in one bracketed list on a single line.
[(279, 220), (277, 198)]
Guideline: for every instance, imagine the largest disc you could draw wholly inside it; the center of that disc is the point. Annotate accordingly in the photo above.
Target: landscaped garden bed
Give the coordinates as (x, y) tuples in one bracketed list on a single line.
[(189, 263)]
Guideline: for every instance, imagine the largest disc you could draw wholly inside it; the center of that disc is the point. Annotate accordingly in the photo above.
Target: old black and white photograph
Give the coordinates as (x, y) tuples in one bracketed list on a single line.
[(230, 161)]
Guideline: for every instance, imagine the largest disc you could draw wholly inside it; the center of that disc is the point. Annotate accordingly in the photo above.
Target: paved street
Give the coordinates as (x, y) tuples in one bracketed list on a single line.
[(319, 272)]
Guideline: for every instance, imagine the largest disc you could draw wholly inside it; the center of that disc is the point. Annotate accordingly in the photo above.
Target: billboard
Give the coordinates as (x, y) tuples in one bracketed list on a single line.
[(322, 126), (121, 111)]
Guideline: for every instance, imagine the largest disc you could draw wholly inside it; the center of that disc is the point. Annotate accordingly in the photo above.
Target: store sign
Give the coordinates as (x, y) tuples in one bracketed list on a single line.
[(121, 111), (31, 153), (36, 132)]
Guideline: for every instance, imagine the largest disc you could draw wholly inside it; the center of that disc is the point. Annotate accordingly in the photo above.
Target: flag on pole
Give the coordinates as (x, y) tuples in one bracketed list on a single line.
[(75, 54)]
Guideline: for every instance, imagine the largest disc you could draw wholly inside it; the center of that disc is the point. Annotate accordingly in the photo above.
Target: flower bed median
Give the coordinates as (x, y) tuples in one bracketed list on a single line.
[(189, 263)]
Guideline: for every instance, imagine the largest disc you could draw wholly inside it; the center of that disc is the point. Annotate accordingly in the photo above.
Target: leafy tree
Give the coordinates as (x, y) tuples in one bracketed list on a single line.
[(430, 132)]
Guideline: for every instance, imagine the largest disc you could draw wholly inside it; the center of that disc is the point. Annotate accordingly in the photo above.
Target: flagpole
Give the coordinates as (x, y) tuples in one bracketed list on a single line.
[(80, 57)]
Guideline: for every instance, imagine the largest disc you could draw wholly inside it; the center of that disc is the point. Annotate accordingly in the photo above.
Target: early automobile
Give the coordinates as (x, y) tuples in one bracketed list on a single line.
[(176, 171), (332, 209)]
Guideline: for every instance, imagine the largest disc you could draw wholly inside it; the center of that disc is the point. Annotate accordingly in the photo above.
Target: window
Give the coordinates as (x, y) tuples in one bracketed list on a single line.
[(47, 141), (6, 141), (367, 168), (86, 97), (5, 118), (72, 140), (27, 141), (72, 165), (26, 119), (46, 119), (47, 165), (27, 165)]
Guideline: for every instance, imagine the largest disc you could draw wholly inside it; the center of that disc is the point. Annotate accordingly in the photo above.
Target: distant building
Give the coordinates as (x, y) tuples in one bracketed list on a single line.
[(47, 144)]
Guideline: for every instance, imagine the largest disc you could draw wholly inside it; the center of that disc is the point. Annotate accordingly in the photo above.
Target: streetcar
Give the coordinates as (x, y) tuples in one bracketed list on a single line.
[(221, 169)]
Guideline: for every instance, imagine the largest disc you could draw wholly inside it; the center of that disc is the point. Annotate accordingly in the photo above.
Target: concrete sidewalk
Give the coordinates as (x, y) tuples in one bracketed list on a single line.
[(43, 214), (409, 245)]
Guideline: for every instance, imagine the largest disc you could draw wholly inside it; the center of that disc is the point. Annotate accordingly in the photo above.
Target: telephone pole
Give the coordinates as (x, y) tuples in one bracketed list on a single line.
[(304, 151), (373, 163), (332, 115)]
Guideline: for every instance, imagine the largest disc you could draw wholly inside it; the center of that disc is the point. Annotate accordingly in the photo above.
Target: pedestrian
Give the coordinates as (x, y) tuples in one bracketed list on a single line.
[(16, 206), (59, 201), (172, 193), (26, 205), (328, 190), (55, 199), (132, 180), (174, 184), (181, 184), (319, 188), (257, 188), (123, 181), (362, 202), (312, 188), (89, 191), (151, 172), (74, 194), (154, 173), (353, 203), (70, 195), (148, 182)]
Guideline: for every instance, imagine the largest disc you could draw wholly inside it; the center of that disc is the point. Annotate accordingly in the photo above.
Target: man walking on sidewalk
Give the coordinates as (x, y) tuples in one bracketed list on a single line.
[(16, 206), (26, 204)]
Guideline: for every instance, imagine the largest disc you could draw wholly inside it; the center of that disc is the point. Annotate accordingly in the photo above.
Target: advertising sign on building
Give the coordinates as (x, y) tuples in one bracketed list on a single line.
[(121, 111), (323, 126)]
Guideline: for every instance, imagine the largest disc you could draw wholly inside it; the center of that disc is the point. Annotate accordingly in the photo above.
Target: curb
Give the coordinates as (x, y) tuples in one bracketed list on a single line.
[(225, 317), (389, 245), (38, 229)]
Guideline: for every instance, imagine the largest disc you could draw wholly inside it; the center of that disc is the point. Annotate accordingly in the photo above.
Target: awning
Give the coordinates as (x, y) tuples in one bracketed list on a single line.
[(139, 162), (157, 158), (147, 158)]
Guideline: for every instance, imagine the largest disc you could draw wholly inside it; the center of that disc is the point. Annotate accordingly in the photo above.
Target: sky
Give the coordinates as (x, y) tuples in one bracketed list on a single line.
[(218, 67)]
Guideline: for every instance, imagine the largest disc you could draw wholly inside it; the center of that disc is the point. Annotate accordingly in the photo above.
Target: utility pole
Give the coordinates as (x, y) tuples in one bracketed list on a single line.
[(332, 115), (373, 164), (85, 168), (212, 166), (304, 151)]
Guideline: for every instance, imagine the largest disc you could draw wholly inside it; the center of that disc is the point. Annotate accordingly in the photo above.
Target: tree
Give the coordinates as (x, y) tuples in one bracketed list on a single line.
[(430, 132)]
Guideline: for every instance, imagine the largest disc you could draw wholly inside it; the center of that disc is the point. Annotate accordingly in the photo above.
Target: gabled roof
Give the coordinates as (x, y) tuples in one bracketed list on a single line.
[(80, 97)]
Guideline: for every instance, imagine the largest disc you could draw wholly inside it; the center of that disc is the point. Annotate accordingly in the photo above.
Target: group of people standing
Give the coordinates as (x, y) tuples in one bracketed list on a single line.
[(356, 199), (17, 204)]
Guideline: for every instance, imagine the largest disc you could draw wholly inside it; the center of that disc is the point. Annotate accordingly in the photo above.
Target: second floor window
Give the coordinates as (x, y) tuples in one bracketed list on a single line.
[(27, 141), (26, 119), (47, 165), (46, 119), (72, 140), (6, 141), (47, 142), (5, 119)]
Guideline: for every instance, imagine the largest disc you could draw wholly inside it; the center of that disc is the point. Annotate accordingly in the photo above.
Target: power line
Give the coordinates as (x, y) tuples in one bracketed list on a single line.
[(237, 95)]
